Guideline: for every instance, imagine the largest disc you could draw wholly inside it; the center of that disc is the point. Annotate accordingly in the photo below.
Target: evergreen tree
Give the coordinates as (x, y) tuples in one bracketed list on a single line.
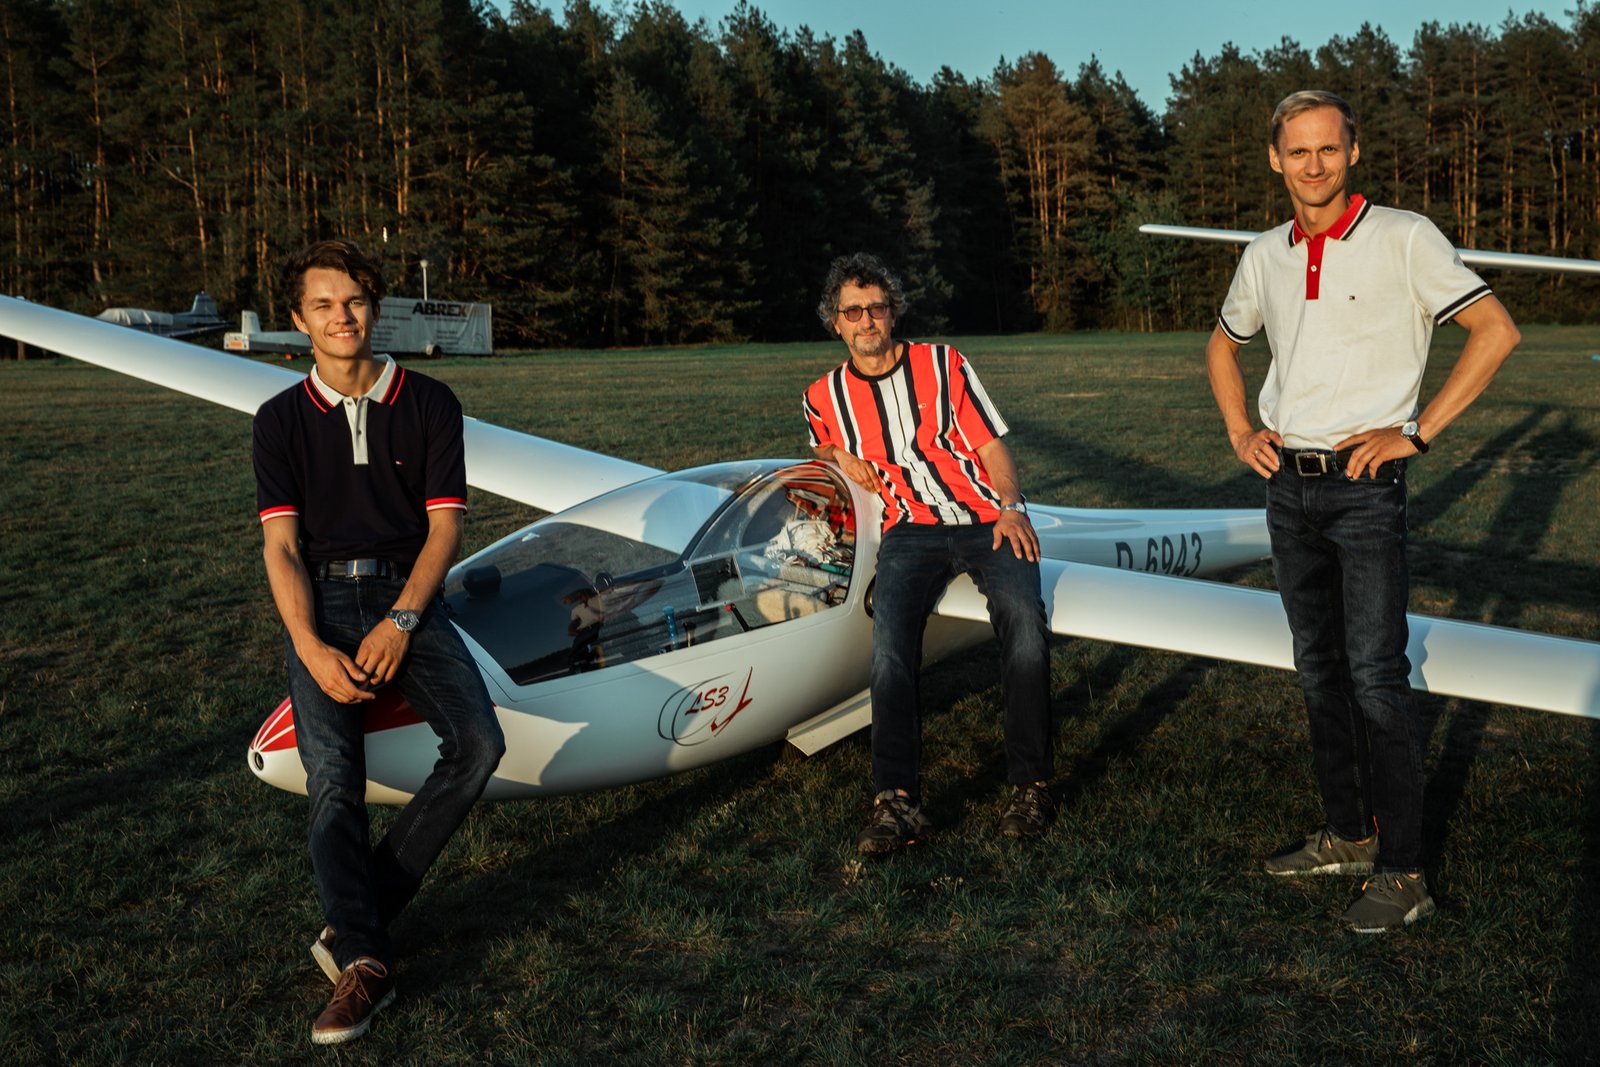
[(1045, 143), (36, 176), (776, 144), (100, 68), (691, 183), (1365, 69), (975, 226)]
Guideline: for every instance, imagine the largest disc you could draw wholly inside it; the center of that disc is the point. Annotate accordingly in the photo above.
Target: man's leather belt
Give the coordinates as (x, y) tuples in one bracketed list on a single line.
[(1314, 463), (348, 570)]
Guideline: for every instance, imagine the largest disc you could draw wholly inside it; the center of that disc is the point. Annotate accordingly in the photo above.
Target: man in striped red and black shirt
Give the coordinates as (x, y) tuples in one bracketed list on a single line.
[(911, 422), (361, 486)]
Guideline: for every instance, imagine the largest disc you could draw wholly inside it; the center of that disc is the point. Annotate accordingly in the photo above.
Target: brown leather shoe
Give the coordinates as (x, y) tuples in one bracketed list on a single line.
[(365, 988)]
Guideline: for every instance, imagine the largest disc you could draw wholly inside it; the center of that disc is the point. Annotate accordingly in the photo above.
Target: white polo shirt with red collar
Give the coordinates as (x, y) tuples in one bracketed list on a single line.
[(1349, 315)]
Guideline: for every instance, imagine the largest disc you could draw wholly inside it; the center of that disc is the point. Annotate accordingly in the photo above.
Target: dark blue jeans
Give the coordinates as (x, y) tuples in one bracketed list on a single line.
[(362, 888), (1339, 554), (915, 564)]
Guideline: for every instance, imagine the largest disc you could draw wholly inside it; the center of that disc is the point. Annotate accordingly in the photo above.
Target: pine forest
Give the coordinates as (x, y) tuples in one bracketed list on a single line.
[(622, 176)]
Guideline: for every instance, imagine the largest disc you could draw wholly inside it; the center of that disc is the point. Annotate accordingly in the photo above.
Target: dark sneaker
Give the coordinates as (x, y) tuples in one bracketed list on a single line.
[(1325, 852), (1389, 901), (895, 822), (1029, 812), (322, 952), (364, 989)]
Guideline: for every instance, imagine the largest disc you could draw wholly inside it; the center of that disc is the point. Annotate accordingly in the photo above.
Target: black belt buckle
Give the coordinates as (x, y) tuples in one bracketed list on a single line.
[(1314, 464)]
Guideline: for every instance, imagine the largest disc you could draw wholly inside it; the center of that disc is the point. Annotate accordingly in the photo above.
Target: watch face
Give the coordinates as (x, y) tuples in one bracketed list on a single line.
[(404, 621), (1409, 429)]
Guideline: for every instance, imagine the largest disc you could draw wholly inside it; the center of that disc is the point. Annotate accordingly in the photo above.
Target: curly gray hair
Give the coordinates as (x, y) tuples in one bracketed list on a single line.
[(863, 269)]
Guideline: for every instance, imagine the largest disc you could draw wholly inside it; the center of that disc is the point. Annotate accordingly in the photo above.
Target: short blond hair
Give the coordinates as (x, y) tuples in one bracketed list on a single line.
[(1296, 104)]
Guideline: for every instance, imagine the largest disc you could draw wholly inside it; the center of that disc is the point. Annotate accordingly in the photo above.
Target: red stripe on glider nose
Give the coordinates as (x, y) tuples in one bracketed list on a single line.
[(387, 711)]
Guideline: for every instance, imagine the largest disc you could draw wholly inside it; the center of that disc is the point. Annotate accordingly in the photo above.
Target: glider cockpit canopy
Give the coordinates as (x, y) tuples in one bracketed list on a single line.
[(671, 561)]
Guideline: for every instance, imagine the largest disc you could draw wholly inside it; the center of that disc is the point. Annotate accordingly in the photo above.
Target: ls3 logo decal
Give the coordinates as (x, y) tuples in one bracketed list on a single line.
[(1164, 555), (697, 713)]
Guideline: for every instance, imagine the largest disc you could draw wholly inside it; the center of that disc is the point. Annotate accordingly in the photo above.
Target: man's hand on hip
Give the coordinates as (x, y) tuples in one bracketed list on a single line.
[(1258, 450), (1373, 448), (1014, 526)]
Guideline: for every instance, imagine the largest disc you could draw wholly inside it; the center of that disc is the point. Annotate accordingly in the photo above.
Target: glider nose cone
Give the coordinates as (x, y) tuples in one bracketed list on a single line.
[(277, 733), (273, 757)]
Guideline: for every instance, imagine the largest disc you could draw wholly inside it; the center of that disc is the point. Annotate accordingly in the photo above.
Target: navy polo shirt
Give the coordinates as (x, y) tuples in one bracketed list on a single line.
[(361, 473)]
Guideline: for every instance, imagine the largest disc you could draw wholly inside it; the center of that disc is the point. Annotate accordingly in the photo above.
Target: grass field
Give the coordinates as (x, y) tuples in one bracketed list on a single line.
[(156, 901)]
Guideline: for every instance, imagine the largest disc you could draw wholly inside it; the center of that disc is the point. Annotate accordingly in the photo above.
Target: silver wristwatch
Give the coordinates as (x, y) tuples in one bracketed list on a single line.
[(1020, 507), (1413, 433), (404, 621)]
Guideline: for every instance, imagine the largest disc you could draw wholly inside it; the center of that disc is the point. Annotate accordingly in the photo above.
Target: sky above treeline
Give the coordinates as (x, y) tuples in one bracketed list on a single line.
[(1147, 40)]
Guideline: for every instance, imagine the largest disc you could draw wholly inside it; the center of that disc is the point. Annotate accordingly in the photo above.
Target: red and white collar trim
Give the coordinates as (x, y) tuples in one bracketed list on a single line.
[(383, 391), (1342, 228)]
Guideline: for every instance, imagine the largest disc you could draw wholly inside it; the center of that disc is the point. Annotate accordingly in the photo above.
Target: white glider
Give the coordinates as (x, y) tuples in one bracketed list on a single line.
[(658, 622)]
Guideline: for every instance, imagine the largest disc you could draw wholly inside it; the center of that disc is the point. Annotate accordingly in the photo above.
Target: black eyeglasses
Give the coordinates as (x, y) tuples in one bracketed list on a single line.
[(853, 314)]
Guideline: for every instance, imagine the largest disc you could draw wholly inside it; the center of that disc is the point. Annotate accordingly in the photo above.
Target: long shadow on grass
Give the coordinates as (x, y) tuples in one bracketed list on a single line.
[(460, 923), (1465, 473), (1516, 530), (1517, 580), (1116, 740), (1577, 1026), (1132, 729), (139, 781)]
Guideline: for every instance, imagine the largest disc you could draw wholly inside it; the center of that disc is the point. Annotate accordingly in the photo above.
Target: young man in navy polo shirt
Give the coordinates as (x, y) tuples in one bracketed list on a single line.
[(1349, 294), (362, 488)]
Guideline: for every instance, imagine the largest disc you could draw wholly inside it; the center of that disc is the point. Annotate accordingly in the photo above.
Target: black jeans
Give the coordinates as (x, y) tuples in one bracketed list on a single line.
[(915, 563), (1339, 554), (363, 889)]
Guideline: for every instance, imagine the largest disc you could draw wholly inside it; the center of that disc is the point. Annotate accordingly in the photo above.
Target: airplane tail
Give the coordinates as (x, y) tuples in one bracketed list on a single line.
[(249, 322), (204, 306)]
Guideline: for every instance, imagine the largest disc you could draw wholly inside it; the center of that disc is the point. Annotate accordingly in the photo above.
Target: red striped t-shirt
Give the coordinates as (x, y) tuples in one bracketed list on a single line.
[(920, 424)]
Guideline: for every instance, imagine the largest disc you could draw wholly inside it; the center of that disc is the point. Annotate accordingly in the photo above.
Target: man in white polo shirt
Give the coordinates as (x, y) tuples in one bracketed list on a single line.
[(1349, 294)]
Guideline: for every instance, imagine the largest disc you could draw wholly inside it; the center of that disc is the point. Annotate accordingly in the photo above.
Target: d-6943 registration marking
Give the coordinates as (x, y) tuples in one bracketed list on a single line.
[(1179, 555)]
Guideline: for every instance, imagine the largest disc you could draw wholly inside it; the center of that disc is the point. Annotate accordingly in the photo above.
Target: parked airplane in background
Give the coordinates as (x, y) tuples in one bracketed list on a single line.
[(405, 326), (250, 337), (657, 622), (200, 319)]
